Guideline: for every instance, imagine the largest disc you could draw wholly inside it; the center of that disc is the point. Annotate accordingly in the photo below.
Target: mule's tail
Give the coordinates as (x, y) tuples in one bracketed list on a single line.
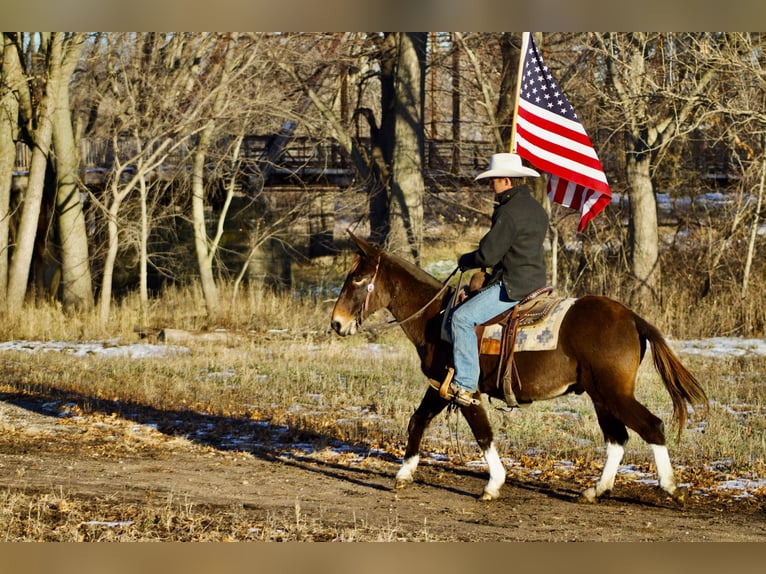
[(680, 383)]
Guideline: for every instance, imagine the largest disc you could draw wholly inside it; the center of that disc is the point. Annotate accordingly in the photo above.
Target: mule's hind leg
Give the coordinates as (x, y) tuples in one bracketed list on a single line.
[(430, 406), (650, 428), (615, 436), (665, 474)]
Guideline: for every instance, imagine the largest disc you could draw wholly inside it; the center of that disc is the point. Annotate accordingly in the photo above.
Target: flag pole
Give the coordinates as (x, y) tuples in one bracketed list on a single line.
[(522, 55)]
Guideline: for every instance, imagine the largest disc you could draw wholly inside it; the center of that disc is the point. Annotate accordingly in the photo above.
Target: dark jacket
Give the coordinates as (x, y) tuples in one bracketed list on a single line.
[(513, 246)]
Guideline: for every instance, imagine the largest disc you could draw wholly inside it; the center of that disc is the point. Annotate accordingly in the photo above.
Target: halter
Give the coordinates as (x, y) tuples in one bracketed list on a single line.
[(371, 286)]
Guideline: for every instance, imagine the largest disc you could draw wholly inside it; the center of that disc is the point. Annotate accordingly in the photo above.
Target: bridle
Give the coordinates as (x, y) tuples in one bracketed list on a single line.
[(371, 286), (394, 323)]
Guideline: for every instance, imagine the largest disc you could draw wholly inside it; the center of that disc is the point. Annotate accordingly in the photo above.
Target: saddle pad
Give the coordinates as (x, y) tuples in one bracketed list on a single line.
[(542, 336)]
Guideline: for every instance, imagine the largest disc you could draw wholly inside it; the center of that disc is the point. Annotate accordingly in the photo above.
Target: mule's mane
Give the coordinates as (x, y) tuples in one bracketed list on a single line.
[(417, 273)]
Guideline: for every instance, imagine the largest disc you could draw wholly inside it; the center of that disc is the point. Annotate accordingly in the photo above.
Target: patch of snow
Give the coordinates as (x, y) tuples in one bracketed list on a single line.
[(96, 348), (722, 347)]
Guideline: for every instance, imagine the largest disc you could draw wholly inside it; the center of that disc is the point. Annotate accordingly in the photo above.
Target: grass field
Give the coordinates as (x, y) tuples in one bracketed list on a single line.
[(285, 369)]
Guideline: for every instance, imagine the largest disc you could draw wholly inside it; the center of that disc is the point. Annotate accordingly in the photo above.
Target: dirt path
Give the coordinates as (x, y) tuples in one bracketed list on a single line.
[(100, 462)]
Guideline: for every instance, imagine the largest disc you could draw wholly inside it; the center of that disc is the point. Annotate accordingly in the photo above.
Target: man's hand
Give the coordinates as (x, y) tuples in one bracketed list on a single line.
[(467, 261)]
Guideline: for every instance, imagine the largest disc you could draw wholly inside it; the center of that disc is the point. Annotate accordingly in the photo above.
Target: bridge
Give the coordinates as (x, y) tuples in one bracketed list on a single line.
[(274, 162)]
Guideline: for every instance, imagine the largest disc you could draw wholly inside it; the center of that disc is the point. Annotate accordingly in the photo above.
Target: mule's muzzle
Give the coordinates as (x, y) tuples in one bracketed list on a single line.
[(343, 328)]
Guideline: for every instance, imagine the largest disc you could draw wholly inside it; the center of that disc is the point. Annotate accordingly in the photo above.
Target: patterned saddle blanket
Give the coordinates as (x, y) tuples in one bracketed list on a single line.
[(538, 328)]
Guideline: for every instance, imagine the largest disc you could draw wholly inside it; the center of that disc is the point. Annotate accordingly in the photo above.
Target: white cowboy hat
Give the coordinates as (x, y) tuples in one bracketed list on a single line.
[(506, 165)]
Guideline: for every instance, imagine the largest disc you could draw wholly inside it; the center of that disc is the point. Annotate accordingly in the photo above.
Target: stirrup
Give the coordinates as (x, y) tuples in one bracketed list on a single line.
[(451, 392)]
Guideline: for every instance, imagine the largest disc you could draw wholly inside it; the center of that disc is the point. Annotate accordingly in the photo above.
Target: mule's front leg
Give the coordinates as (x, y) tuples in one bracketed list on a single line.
[(431, 405), (496, 473), (482, 431)]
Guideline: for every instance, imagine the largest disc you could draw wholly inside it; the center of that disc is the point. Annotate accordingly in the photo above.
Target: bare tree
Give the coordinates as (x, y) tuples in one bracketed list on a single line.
[(160, 93), (491, 99), (657, 105), (41, 85), (39, 126), (11, 82), (740, 107), (144, 104), (407, 185), (390, 95), (142, 163), (77, 287), (755, 223)]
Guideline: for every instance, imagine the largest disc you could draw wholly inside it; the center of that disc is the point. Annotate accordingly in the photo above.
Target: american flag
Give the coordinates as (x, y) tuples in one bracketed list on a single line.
[(550, 136)]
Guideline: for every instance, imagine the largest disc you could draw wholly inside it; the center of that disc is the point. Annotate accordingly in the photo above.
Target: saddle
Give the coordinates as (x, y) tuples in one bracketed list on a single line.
[(530, 311)]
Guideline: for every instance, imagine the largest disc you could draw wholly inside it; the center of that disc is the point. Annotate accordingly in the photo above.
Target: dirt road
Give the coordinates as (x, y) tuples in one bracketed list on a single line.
[(94, 476)]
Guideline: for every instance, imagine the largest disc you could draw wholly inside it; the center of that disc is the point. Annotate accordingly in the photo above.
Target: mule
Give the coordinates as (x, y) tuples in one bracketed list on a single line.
[(601, 343)]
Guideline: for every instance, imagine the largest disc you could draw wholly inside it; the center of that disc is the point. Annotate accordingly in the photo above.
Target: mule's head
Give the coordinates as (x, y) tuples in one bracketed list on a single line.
[(361, 294)]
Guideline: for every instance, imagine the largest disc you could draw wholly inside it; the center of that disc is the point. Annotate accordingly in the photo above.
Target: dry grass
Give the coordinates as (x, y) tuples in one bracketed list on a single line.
[(58, 517), (292, 371)]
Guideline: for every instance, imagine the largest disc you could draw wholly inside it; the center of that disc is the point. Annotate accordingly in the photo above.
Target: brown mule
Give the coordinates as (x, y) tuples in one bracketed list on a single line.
[(601, 344)]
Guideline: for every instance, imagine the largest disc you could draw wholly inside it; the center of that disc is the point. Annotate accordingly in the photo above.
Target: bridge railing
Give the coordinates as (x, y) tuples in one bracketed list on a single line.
[(300, 155)]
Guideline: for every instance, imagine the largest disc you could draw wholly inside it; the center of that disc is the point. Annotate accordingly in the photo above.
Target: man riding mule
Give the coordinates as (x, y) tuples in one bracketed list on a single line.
[(513, 249), (599, 348)]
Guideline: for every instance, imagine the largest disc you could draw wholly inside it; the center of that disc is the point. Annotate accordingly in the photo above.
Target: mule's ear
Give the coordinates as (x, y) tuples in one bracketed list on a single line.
[(367, 248)]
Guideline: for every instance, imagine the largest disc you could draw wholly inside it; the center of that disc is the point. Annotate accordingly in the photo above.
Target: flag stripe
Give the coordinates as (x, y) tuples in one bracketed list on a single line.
[(589, 202), (551, 123), (571, 154), (565, 192), (549, 135), (551, 162)]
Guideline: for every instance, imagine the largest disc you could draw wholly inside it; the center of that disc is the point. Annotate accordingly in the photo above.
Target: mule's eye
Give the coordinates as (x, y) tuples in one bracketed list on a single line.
[(359, 282)]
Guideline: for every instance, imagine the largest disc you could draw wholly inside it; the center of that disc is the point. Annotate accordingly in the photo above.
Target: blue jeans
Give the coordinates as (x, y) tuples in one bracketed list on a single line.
[(480, 308)]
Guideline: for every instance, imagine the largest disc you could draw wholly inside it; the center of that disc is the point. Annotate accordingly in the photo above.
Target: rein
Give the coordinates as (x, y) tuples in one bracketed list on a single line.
[(394, 323)]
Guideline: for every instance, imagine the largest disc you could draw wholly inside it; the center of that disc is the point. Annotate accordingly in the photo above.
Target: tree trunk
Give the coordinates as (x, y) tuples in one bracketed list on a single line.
[(754, 229), (143, 248), (18, 276), (105, 298), (201, 243), (407, 186), (9, 112), (205, 252), (510, 48), (77, 286), (457, 116), (383, 144), (645, 252)]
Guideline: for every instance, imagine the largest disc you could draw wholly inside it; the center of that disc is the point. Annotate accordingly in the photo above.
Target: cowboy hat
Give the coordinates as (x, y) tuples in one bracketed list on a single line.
[(506, 165)]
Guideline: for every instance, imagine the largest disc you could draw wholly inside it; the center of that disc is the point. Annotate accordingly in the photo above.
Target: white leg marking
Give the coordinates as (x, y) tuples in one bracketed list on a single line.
[(614, 454), (407, 470), (664, 469), (496, 473)]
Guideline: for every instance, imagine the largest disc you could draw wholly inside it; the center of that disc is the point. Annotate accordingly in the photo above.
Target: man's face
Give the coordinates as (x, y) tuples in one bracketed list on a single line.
[(499, 184)]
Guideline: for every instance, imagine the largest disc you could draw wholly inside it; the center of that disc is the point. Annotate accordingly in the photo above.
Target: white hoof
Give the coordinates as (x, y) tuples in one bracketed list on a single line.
[(488, 495), (680, 495), (589, 496), (406, 472)]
